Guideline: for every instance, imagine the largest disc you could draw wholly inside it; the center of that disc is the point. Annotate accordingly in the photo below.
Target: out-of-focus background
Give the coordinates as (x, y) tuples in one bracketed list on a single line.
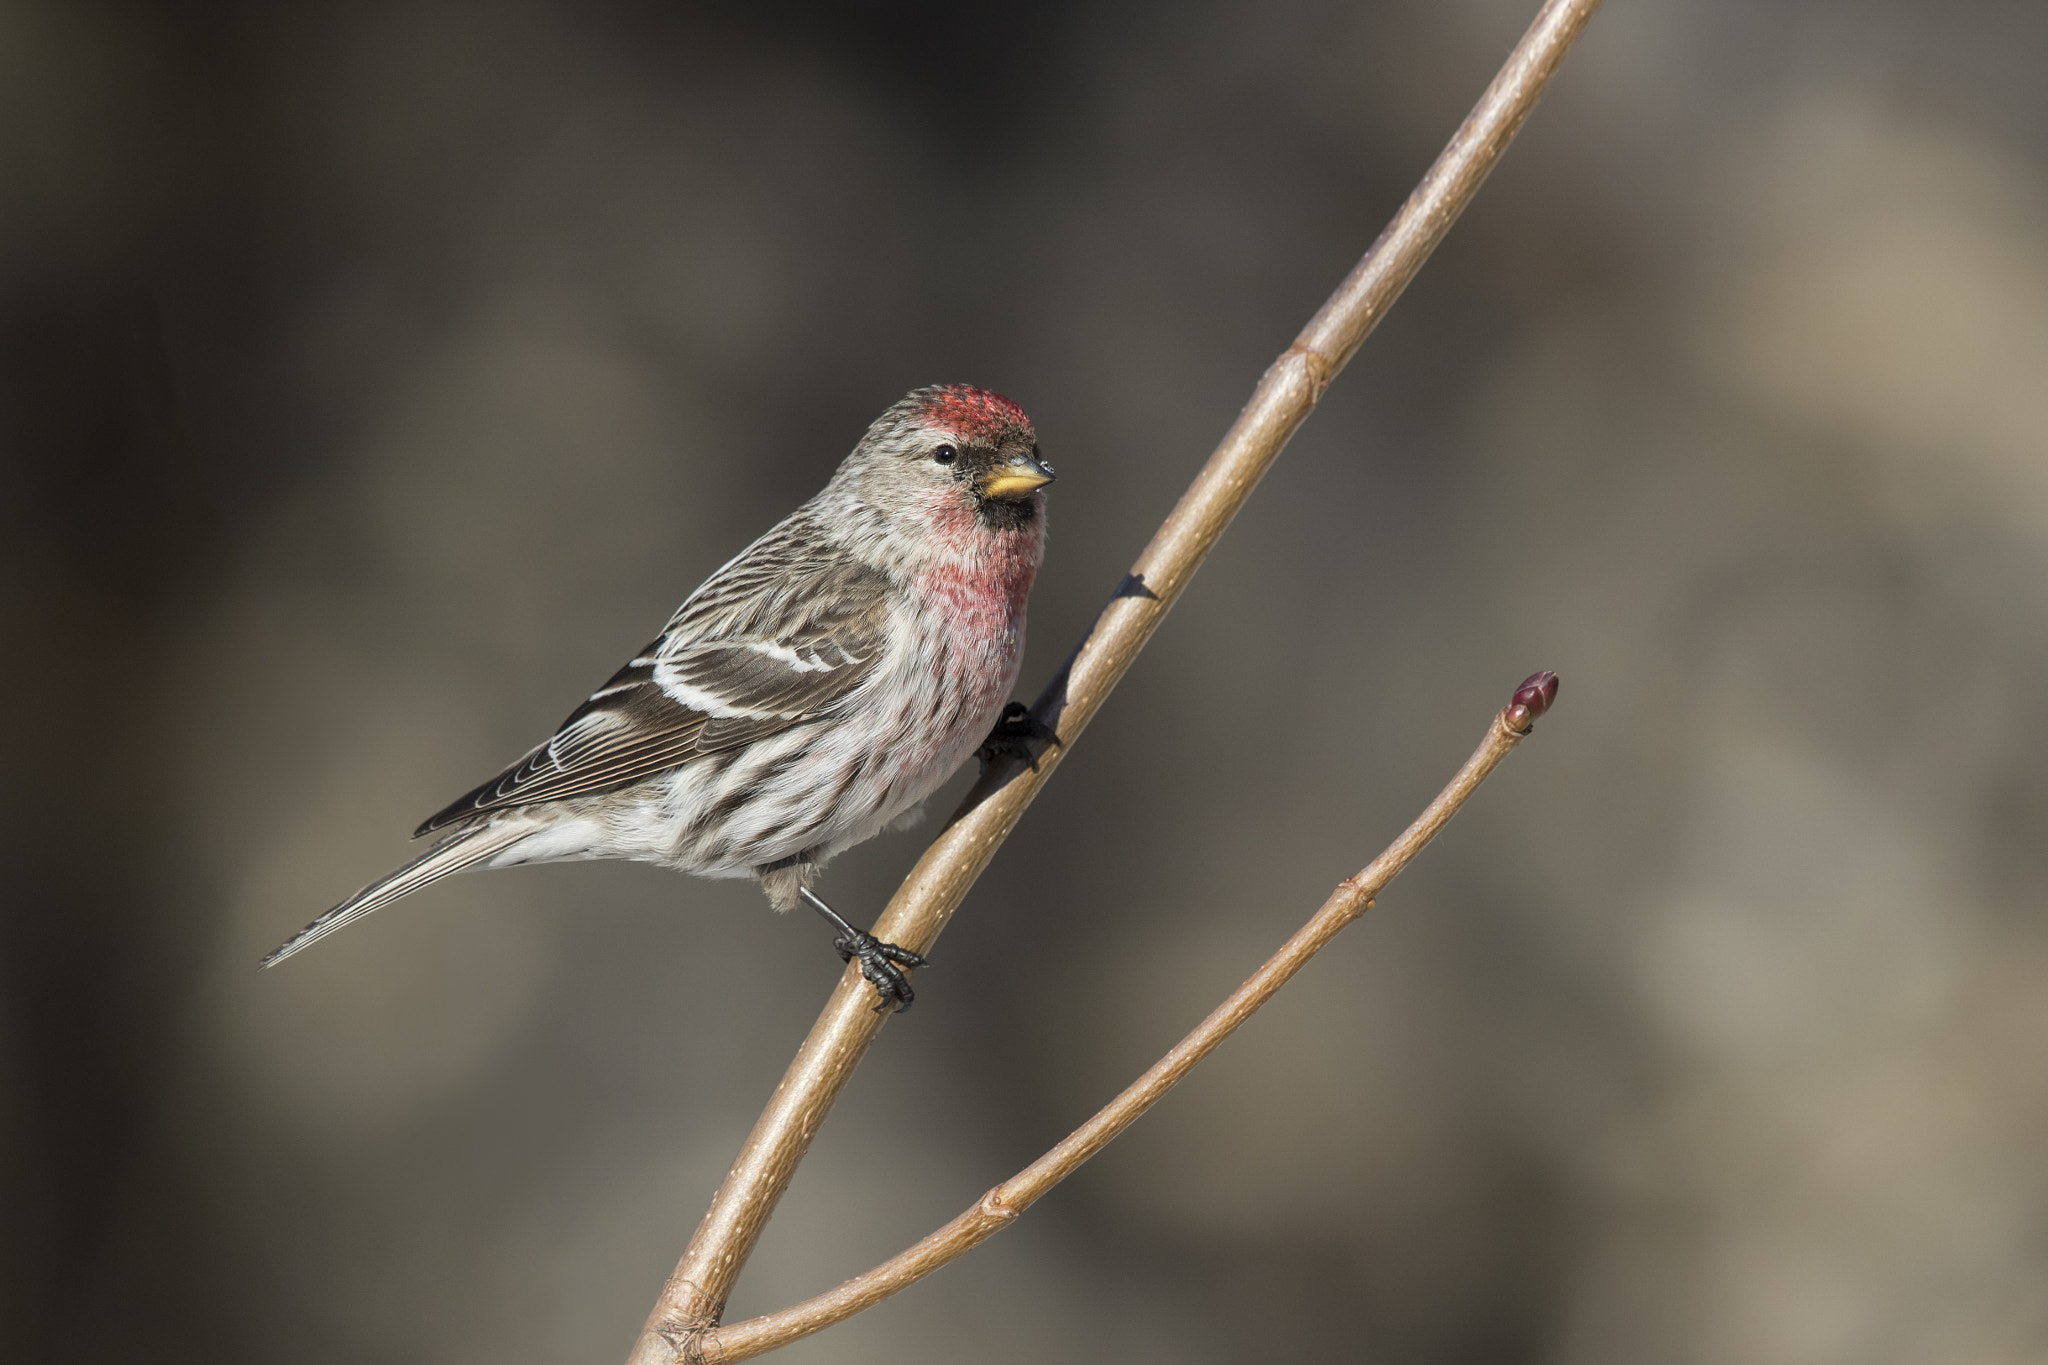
[(376, 377)]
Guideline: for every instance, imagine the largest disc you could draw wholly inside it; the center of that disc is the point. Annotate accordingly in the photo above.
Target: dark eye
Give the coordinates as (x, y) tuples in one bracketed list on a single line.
[(945, 454)]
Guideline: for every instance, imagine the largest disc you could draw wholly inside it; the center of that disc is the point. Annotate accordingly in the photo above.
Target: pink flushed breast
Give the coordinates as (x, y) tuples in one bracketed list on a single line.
[(983, 596), (976, 598), (980, 576)]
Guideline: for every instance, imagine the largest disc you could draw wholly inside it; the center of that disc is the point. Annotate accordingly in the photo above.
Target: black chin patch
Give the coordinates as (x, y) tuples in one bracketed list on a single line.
[(1007, 514)]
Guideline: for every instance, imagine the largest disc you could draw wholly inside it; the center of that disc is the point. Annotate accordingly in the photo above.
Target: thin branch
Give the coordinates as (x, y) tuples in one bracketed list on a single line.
[(695, 1295), (999, 1208)]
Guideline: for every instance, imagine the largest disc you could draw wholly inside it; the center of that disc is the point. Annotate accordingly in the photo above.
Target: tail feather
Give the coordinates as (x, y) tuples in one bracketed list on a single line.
[(462, 850)]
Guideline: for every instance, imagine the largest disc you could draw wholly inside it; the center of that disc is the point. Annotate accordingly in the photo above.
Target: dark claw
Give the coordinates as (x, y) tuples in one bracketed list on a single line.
[(1016, 730), (879, 965)]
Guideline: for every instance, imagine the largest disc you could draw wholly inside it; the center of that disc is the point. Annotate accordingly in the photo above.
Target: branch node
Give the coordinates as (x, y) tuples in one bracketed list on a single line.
[(1319, 368), (694, 1343), (702, 1347), (994, 1206)]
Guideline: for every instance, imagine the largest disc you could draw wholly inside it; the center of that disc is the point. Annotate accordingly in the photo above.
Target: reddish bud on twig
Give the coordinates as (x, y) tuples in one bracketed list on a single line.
[(1531, 700)]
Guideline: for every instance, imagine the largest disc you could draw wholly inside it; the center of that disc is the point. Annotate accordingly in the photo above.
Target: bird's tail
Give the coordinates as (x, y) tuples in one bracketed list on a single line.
[(459, 851)]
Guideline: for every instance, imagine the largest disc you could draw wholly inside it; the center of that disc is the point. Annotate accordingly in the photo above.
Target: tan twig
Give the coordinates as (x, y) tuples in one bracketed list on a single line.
[(695, 1294), (998, 1208)]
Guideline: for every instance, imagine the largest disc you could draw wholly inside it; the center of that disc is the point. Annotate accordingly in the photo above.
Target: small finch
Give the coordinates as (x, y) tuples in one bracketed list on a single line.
[(812, 692)]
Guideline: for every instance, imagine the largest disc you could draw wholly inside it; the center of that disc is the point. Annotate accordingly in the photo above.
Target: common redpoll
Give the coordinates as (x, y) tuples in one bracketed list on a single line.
[(812, 692)]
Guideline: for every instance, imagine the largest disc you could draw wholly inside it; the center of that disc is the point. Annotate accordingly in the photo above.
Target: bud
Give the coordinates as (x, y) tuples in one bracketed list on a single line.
[(1531, 700)]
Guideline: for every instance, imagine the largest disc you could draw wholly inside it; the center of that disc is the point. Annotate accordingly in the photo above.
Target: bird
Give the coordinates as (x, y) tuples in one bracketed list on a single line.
[(812, 692)]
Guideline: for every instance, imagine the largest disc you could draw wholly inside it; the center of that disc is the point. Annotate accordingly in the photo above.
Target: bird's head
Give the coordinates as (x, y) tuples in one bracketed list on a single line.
[(961, 459)]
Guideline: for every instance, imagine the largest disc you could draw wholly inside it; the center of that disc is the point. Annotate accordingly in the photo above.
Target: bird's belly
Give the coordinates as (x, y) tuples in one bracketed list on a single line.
[(956, 691), (819, 788)]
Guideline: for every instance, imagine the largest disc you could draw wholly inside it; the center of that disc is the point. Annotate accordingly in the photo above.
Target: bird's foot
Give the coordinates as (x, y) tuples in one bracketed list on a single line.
[(881, 963), (1016, 732)]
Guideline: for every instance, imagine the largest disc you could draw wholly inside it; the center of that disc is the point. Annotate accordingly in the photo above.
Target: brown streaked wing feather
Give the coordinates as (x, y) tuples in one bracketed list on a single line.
[(626, 730), (830, 615)]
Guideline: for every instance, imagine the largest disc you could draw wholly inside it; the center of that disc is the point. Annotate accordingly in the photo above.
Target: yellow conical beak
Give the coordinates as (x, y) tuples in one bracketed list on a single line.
[(1018, 477)]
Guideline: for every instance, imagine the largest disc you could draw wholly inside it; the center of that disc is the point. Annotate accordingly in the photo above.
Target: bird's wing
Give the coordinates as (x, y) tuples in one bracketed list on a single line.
[(780, 636)]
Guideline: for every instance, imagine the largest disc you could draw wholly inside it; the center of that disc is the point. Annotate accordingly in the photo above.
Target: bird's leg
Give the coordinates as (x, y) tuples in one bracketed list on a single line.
[(881, 963), (1016, 730)]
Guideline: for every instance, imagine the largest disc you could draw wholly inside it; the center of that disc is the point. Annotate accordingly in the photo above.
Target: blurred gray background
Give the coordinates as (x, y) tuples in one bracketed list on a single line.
[(375, 377)]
